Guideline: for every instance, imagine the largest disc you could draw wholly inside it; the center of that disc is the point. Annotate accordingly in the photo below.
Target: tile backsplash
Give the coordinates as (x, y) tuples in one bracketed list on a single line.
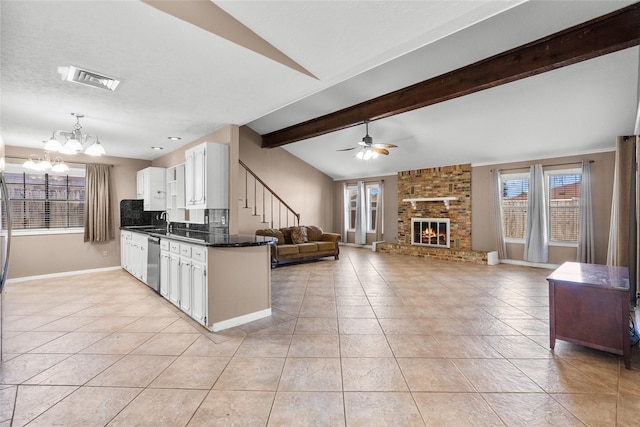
[(132, 213)]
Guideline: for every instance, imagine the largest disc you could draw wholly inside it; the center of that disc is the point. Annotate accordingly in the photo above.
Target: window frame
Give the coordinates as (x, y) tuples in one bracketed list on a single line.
[(512, 176), (348, 208), (547, 188), (73, 172), (369, 208)]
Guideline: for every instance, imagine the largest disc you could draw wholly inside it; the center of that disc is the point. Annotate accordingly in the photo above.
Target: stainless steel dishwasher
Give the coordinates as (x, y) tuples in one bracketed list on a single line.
[(153, 263)]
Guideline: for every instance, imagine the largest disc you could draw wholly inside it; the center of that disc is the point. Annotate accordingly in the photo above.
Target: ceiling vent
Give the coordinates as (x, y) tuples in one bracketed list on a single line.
[(89, 78)]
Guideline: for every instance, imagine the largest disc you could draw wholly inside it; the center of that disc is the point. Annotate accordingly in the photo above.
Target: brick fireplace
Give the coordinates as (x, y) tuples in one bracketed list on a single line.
[(452, 183)]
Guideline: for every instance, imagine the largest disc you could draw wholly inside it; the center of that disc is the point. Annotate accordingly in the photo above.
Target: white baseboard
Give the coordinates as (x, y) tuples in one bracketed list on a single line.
[(61, 274), (529, 264), (241, 320)]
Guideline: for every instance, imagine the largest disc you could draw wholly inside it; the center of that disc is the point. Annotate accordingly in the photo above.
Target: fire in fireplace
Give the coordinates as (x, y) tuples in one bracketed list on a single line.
[(430, 232)]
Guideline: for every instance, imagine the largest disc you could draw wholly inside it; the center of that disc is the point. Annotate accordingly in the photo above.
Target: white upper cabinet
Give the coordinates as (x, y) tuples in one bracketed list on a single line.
[(207, 176), (151, 188), (175, 194)]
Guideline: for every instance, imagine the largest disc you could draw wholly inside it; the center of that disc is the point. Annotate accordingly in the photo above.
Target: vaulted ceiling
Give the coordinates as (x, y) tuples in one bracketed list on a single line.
[(191, 67)]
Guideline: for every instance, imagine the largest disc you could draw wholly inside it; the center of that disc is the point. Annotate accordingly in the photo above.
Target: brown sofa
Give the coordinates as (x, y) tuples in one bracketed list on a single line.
[(299, 243)]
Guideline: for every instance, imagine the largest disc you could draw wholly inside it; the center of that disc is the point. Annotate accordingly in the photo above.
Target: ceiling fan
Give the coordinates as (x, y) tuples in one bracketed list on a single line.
[(367, 149)]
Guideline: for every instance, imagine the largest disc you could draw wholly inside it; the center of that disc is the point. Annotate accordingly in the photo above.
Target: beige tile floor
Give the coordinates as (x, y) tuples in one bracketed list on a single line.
[(369, 340)]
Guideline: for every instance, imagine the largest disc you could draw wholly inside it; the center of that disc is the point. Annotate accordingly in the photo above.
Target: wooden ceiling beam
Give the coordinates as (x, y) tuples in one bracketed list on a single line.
[(606, 34)]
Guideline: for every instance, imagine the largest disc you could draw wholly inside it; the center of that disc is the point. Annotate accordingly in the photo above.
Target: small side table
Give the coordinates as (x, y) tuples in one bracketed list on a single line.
[(589, 305)]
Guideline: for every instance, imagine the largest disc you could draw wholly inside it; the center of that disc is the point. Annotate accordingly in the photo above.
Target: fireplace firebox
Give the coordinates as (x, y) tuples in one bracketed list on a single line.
[(430, 232)]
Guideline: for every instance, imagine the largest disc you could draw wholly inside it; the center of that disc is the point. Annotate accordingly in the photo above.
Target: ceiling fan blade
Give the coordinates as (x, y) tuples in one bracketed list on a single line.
[(347, 149), (380, 150), (384, 146)]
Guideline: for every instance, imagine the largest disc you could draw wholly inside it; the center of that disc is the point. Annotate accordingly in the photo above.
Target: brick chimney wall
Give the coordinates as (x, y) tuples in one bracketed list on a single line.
[(445, 181)]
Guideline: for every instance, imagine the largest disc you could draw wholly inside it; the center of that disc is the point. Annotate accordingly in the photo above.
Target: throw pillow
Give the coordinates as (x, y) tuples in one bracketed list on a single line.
[(286, 232), (297, 235), (313, 233)]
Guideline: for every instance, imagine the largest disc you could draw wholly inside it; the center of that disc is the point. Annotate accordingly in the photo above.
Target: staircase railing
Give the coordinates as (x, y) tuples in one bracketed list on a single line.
[(269, 215)]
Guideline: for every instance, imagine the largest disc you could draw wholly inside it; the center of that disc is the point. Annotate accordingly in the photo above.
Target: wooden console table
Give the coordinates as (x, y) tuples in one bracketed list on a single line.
[(589, 305)]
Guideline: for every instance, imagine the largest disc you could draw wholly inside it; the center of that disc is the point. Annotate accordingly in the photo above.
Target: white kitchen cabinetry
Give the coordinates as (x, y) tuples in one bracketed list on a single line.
[(125, 248), (199, 284), (164, 268), (174, 273), (234, 295), (151, 188), (207, 176), (133, 254), (185, 278), (176, 194), (193, 283)]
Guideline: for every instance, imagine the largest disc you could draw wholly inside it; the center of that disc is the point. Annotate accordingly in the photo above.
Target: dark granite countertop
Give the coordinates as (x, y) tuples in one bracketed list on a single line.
[(203, 238)]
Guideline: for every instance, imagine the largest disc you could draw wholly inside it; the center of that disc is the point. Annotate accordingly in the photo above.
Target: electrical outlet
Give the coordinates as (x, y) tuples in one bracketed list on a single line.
[(104, 253)]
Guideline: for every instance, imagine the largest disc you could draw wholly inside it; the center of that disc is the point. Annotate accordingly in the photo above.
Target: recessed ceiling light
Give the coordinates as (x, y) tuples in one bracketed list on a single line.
[(174, 138), (157, 148)]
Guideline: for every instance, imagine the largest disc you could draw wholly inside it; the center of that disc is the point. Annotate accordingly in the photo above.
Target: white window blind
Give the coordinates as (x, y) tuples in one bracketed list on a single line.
[(563, 190), (515, 189), (351, 199), (39, 200), (372, 207)]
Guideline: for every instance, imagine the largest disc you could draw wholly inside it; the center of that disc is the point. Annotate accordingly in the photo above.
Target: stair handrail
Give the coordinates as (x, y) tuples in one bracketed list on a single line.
[(264, 185)]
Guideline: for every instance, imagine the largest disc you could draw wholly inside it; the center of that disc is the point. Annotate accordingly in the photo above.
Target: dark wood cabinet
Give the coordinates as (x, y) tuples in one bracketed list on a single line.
[(589, 305)]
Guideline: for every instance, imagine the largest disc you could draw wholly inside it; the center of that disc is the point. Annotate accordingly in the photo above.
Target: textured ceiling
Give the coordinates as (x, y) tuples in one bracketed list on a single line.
[(179, 79)]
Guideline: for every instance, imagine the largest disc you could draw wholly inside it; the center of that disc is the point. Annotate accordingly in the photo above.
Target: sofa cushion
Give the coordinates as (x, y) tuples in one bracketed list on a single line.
[(325, 246), (287, 250), (313, 233), (272, 232), (298, 235), (306, 248)]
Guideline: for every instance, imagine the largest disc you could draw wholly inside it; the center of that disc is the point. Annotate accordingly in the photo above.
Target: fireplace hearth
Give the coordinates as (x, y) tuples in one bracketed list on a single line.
[(433, 232)]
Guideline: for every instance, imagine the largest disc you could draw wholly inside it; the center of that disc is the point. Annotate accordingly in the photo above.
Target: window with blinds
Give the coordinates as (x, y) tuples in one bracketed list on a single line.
[(39, 200), (372, 206), (515, 189), (563, 190), (351, 196)]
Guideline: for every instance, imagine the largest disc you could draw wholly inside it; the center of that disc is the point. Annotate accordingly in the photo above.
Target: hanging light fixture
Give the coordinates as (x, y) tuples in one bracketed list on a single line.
[(75, 141), (44, 163), (366, 153)]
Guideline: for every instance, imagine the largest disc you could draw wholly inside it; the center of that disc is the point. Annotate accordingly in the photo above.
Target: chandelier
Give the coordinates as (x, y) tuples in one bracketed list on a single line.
[(75, 141), (45, 164)]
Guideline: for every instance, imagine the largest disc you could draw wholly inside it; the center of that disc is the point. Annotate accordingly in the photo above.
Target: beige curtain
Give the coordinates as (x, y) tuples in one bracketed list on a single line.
[(98, 224), (536, 242), (586, 235), (623, 232), (380, 209), (497, 215)]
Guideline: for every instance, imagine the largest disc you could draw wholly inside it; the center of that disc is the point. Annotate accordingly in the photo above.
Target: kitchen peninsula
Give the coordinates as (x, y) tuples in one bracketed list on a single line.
[(221, 281)]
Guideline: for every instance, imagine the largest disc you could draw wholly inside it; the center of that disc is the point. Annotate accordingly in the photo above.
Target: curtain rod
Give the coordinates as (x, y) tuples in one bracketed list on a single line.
[(69, 163), (544, 166), (366, 182)]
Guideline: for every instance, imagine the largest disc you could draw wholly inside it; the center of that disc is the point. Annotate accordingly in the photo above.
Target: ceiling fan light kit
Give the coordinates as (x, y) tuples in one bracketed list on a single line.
[(368, 150)]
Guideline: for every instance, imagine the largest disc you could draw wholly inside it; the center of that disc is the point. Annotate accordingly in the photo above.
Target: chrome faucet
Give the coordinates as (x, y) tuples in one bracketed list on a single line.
[(163, 216)]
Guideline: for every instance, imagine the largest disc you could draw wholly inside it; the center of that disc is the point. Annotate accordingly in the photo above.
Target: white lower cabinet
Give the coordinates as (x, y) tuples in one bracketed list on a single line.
[(133, 254), (164, 268), (185, 285), (174, 279), (199, 292), (183, 277)]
